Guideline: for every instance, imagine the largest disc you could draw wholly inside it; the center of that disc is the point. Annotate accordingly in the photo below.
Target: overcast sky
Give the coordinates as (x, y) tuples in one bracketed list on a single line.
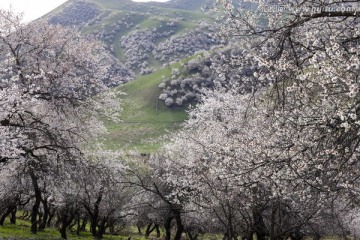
[(33, 9)]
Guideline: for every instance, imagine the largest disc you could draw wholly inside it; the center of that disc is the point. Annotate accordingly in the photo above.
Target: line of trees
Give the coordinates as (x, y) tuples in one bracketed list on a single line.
[(278, 162), (282, 161), (52, 95)]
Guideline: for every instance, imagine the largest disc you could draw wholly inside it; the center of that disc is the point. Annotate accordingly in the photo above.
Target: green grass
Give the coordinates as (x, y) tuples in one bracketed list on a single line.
[(114, 17), (127, 5), (143, 22), (145, 117), (21, 230), (113, 4), (142, 16), (185, 26), (150, 23)]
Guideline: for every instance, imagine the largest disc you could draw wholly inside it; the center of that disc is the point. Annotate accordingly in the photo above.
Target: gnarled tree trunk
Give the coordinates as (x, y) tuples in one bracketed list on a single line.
[(36, 206)]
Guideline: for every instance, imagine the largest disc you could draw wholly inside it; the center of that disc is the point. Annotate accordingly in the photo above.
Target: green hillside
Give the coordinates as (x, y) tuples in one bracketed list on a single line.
[(111, 20), (140, 35), (190, 4), (145, 117)]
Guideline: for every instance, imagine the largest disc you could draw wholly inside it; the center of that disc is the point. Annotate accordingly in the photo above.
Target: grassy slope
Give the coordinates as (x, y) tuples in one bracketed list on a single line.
[(145, 118), (145, 17), (22, 231), (148, 9)]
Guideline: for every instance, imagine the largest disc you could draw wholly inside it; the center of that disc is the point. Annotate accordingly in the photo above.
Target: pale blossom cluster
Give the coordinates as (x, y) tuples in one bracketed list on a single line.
[(52, 96), (285, 156)]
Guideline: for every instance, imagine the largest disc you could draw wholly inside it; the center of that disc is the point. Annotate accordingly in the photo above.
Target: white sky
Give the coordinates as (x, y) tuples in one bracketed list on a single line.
[(33, 9)]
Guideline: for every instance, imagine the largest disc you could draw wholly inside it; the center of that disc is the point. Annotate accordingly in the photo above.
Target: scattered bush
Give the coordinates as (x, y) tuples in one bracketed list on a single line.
[(207, 71)]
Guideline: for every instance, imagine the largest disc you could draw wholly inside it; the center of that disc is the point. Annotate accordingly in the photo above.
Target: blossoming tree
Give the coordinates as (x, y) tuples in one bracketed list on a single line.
[(49, 77), (292, 147)]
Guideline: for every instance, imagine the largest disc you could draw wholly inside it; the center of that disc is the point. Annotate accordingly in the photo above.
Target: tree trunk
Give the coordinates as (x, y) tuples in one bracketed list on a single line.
[(180, 226), (78, 220), (13, 215), (95, 215), (139, 229), (46, 215), (93, 226), (272, 220), (101, 229), (3, 217), (158, 233), (167, 227), (111, 227), (148, 230), (248, 233), (259, 225), (63, 231), (65, 222), (36, 206), (51, 216), (230, 228), (84, 223)]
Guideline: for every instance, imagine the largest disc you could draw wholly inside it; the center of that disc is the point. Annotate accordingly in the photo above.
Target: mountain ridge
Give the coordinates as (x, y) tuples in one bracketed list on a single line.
[(115, 22), (150, 40)]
